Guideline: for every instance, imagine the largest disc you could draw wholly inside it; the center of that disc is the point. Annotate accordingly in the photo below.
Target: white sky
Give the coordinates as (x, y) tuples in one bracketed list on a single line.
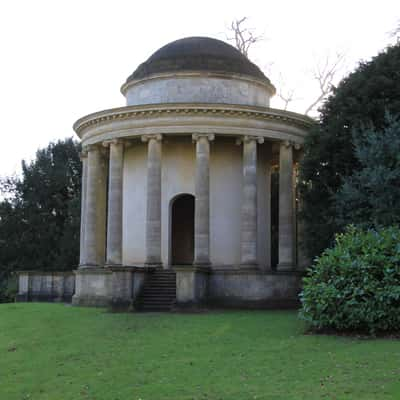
[(62, 59)]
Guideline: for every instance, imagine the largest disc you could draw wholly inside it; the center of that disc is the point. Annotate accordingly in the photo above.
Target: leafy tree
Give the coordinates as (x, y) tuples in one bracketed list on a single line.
[(361, 99), (371, 196), (40, 214), (355, 285)]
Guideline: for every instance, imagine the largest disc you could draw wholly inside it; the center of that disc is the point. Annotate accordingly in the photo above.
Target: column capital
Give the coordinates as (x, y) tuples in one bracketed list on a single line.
[(109, 142), (249, 138), (298, 146), (197, 136), (290, 143), (146, 138), (91, 147), (83, 154)]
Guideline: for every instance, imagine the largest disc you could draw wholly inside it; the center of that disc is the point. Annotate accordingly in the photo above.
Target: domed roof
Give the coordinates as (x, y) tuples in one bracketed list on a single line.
[(198, 54)]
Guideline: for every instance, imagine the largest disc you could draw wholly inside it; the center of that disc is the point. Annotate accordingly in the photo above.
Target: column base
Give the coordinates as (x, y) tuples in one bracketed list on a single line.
[(93, 287), (249, 266), (285, 267), (112, 265), (201, 264), (153, 265), (191, 286), (88, 265)]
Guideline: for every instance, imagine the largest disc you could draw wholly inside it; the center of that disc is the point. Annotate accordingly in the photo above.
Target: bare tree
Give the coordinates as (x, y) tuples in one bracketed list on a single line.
[(324, 73), (285, 93), (243, 37)]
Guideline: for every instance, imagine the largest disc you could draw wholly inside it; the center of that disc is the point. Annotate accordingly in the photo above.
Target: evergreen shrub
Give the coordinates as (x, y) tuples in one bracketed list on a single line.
[(355, 285)]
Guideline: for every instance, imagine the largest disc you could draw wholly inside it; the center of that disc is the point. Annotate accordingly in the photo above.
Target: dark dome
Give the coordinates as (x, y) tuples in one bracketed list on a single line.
[(198, 54)]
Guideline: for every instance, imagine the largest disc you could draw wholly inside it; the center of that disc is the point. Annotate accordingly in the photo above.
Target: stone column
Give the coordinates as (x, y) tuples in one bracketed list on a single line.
[(286, 212), (114, 215), (249, 201), (91, 207), (268, 173), (153, 214), (202, 200), (83, 156)]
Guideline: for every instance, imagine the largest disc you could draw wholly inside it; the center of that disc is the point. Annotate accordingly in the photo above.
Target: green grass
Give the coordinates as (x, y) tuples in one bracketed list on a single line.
[(53, 351)]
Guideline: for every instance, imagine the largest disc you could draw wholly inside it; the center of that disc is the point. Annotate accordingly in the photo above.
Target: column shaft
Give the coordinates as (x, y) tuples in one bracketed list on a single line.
[(91, 222), (286, 214), (153, 214), (268, 172), (114, 220), (82, 258), (202, 200), (249, 202)]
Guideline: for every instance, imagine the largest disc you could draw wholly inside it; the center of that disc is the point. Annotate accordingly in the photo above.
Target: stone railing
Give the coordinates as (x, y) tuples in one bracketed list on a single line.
[(45, 286)]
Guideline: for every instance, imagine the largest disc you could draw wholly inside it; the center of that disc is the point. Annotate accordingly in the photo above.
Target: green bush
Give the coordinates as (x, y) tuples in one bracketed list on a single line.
[(8, 288), (355, 286)]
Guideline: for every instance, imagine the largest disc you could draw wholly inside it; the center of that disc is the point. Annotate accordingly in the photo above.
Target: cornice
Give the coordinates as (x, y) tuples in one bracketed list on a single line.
[(140, 112)]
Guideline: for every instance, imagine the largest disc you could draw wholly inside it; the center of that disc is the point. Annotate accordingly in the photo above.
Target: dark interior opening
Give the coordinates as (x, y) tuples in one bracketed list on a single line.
[(182, 230)]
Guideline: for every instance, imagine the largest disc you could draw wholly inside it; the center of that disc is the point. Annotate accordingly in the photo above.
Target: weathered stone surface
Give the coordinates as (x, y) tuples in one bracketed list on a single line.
[(45, 286), (185, 92), (286, 208), (153, 210), (115, 190), (202, 200), (114, 287), (254, 289), (191, 286), (95, 209)]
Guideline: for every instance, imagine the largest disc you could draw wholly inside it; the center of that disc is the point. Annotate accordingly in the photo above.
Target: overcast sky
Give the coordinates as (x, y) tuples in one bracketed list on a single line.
[(62, 59)]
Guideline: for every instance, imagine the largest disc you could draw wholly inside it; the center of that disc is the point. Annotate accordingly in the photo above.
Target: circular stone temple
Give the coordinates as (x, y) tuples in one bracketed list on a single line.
[(188, 192)]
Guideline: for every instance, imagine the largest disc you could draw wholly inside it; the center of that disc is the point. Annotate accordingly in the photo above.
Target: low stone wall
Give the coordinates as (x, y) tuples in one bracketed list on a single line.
[(45, 286), (254, 289), (237, 288)]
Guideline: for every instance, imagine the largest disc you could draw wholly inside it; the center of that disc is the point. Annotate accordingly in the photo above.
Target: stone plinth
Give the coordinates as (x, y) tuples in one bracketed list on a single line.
[(114, 287), (191, 286), (238, 288)]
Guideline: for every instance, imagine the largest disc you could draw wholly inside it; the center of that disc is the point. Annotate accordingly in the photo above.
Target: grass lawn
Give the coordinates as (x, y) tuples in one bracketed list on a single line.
[(53, 351)]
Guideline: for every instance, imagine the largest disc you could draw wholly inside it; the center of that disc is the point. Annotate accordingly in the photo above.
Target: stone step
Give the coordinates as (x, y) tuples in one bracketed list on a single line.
[(159, 292), (162, 278), (160, 284), (163, 303)]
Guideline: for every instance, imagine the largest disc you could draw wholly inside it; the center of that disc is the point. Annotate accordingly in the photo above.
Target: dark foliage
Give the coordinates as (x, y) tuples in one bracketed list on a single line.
[(40, 214), (362, 99), (371, 196)]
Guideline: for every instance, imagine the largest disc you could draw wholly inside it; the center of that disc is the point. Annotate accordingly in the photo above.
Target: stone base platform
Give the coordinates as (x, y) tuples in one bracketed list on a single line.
[(196, 287), (115, 287), (237, 288)]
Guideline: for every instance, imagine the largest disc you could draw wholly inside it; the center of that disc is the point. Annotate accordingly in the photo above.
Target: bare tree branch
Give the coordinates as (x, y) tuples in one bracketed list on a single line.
[(243, 37), (285, 93), (324, 75)]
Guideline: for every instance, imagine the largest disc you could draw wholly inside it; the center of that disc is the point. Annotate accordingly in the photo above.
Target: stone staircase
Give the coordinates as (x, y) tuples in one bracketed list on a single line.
[(159, 292)]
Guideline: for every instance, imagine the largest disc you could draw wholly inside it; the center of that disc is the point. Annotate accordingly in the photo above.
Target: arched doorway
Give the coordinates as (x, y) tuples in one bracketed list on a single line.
[(182, 229)]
